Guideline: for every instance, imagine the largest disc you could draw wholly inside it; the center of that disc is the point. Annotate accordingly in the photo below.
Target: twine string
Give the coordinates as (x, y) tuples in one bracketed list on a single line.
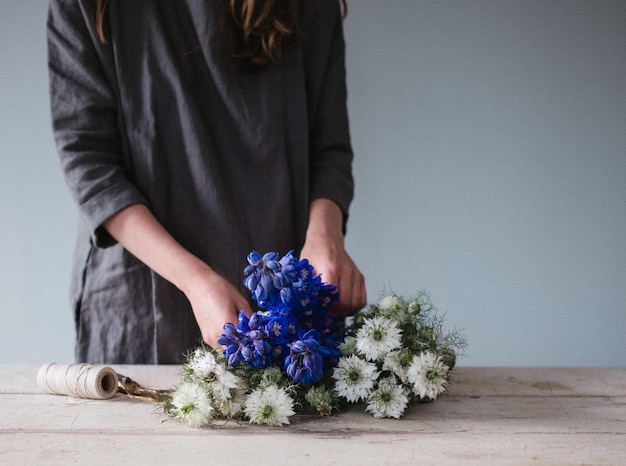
[(78, 380)]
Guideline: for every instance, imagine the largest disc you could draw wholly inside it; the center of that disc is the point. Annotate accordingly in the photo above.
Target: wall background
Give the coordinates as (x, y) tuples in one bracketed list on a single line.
[(490, 147)]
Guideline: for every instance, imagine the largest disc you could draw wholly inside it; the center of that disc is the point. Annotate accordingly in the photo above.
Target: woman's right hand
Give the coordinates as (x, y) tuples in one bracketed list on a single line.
[(213, 299), (215, 302)]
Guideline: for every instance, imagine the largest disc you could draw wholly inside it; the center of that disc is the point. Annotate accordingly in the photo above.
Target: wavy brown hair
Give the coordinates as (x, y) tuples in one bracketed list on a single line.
[(258, 28), (100, 7)]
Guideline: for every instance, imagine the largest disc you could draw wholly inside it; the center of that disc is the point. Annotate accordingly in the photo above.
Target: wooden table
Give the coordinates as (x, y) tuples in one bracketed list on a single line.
[(489, 416)]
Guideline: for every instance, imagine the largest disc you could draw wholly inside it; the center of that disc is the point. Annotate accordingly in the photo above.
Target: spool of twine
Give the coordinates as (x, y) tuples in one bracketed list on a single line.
[(78, 380)]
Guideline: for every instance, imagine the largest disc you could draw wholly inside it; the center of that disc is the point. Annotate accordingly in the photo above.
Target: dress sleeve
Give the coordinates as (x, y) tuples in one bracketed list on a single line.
[(330, 148), (85, 117)]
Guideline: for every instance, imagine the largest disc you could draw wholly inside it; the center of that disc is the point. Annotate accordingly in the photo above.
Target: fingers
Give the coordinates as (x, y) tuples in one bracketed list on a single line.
[(216, 302), (213, 328), (352, 291), (342, 272)]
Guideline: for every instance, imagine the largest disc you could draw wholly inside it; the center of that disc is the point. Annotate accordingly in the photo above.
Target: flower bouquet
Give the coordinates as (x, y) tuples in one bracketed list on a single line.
[(293, 356)]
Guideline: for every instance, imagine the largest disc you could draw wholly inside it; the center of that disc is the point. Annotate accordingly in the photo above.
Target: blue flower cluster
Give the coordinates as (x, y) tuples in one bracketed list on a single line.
[(294, 328)]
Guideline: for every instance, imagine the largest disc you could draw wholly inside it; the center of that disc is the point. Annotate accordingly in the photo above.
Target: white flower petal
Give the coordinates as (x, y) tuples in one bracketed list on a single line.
[(191, 404), (393, 363), (270, 405), (428, 374), (388, 400), (377, 337), (354, 378), (389, 302)]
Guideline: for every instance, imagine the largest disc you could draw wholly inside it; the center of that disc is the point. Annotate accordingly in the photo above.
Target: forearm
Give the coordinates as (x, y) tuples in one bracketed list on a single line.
[(142, 235), (325, 221), (214, 301)]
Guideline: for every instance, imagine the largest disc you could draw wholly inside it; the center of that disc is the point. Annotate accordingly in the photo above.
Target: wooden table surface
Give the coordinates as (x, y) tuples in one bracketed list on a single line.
[(489, 416)]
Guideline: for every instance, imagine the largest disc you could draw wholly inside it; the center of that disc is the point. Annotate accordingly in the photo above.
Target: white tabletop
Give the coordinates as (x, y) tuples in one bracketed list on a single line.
[(489, 416)]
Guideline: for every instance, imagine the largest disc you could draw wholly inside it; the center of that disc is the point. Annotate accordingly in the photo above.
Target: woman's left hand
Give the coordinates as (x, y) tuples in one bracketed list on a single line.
[(325, 251)]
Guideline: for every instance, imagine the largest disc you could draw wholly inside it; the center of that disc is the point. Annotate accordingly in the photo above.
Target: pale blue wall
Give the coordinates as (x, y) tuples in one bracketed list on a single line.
[(491, 145), (490, 162), (37, 217)]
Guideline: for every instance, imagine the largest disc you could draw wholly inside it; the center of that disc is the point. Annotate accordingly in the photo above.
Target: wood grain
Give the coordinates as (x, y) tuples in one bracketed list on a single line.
[(489, 416)]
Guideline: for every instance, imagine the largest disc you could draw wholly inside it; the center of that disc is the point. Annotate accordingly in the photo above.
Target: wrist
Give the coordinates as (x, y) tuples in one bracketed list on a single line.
[(192, 273), (325, 221)]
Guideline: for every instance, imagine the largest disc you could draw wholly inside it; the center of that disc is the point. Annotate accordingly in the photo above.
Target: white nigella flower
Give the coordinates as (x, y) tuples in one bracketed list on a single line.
[(209, 370), (270, 405), (377, 337), (428, 374), (233, 406), (224, 381), (388, 400), (387, 303), (203, 363), (191, 404), (354, 378), (393, 363)]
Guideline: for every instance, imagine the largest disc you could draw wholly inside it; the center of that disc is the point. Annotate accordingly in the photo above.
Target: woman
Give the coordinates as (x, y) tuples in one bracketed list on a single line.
[(191, 132)]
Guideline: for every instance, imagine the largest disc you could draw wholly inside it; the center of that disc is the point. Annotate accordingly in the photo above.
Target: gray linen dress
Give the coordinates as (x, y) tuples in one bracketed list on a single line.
[(227, 159)]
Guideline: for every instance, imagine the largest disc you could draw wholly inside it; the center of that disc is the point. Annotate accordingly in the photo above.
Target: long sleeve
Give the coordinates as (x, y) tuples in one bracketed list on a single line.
[(330, 149), (85, 117)]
